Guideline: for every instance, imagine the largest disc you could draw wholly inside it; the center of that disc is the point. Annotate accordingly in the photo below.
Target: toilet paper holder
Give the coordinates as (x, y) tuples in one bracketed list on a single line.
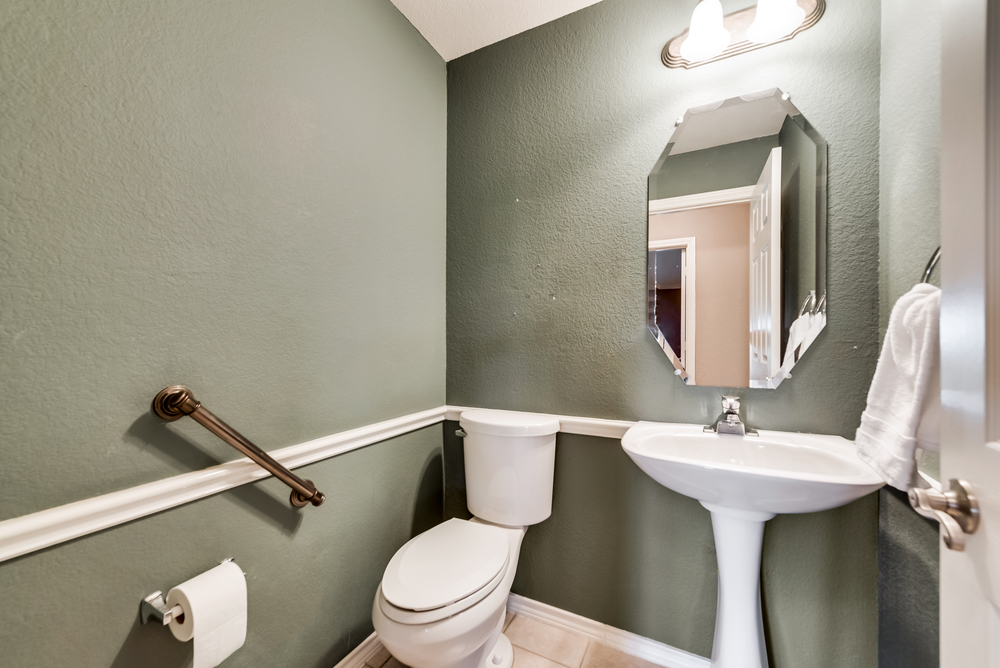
[(154, 606)]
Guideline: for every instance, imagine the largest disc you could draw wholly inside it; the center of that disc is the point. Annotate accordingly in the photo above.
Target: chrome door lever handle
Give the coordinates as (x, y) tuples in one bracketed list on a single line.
[(957, 510), (952, 535)]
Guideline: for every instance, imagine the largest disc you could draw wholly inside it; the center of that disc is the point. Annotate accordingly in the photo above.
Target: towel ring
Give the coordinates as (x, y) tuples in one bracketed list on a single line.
[(930, 266), (809, 304)]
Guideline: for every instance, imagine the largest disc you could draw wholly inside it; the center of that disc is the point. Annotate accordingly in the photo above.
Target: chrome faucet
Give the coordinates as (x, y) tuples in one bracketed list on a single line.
[(729, 422)]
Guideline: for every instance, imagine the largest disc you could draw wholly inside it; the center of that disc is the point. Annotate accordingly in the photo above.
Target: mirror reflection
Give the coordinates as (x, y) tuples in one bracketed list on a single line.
[(737, 242)]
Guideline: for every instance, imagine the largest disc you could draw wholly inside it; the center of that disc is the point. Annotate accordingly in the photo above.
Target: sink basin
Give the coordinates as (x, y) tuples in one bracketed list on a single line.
[(776, 472), (745, 481)]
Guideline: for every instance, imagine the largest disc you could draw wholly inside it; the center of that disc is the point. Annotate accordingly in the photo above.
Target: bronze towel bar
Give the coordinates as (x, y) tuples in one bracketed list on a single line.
[(176, 401)]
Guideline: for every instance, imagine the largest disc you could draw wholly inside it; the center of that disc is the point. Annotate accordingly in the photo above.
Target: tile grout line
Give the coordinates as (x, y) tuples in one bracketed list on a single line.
[(548, 630), (586, 651), (541, 656)]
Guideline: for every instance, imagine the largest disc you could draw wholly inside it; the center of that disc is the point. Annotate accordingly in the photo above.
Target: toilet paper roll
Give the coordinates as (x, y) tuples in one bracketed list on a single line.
[(214, 606)]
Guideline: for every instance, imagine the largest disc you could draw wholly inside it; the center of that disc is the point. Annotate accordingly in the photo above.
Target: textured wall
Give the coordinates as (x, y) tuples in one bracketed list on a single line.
[(909, 130), (552, 134), (909, 573), (909, 231), (195, 192), (717, 168), (311, 574)]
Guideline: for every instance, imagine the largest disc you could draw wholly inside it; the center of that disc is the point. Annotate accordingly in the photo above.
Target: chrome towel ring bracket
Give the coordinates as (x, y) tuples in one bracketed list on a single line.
[(935, 258), (812, 306)]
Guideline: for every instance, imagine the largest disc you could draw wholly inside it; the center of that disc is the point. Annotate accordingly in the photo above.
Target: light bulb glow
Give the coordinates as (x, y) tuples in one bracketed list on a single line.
[(707, 37), (775, 19)]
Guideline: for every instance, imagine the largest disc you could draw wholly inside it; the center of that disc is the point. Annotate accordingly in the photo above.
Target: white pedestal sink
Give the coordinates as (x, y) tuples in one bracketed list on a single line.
[(745, 481)]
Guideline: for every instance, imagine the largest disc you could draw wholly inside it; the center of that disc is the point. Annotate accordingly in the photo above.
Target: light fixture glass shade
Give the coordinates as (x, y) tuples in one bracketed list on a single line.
[(707, 37), (775, 19)]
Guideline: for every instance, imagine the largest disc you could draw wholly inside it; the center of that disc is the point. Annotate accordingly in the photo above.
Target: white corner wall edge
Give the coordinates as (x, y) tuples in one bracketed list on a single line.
[(28, 533), (623, 641)]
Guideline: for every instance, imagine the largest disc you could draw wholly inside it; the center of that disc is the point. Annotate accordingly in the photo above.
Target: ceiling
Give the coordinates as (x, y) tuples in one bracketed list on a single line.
[(457, 27)]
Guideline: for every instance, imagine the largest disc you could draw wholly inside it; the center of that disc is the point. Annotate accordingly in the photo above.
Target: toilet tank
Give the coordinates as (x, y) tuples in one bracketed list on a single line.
[(509, 463)]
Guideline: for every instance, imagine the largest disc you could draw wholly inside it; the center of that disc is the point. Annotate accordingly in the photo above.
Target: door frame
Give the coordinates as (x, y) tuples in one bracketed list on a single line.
[(741, 195), (688, 296), (701, 200)]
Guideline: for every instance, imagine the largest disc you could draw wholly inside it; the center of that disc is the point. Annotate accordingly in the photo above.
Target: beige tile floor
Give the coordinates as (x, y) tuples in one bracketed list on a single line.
[(540, 645)]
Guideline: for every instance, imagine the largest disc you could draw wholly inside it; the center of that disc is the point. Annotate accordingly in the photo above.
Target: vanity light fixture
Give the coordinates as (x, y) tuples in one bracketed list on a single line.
[(707, 37), (768, 22), (774, 20)]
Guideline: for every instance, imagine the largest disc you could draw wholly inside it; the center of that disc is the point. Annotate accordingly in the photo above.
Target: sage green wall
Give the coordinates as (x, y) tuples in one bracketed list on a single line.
[(801, 237), (717, 168), (196, 193), (552, 134), (909, 231), (910, 135), (311, 574)]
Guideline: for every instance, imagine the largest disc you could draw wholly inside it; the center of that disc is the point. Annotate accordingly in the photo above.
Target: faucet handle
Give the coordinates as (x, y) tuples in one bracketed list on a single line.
[(731, 404)]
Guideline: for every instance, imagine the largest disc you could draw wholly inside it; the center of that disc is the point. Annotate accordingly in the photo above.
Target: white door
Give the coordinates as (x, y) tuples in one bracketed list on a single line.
[(970, 325), (765, 274)]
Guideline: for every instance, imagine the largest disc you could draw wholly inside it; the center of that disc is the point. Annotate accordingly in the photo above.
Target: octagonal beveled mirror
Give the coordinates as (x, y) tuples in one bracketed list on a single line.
[(737, 242)]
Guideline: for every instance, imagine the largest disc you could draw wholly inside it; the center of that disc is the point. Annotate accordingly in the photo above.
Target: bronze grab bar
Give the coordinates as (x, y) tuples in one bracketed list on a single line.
[(176, 401)]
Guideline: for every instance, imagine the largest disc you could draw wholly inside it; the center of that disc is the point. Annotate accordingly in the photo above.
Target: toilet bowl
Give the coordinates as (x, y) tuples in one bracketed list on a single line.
[(442, 598)]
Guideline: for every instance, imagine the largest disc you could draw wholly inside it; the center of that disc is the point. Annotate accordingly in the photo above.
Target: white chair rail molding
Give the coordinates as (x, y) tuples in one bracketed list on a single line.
[(26, 534)]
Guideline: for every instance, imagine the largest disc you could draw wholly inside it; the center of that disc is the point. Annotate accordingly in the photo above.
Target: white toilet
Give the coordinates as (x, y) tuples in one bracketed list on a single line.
[(442, 598)]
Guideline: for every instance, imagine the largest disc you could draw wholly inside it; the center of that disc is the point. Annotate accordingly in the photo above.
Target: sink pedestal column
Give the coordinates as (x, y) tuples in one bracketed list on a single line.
[(739, 627)]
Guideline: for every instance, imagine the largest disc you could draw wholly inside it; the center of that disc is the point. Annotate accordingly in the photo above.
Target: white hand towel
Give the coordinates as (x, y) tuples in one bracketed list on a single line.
[(797, 333), (816, 326), (929, 429), (898, 396)]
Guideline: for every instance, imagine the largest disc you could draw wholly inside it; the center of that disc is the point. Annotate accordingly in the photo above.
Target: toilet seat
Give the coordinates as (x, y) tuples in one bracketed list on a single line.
[(411, 617), (444, 571)]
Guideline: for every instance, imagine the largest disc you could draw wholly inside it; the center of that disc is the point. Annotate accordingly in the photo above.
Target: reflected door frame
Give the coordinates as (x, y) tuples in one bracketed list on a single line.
[(688, 295), (704, 200), (701, 200)]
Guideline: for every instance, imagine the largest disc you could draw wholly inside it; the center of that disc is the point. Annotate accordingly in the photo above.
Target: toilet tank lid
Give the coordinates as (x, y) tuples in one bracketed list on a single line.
[(508, 423)]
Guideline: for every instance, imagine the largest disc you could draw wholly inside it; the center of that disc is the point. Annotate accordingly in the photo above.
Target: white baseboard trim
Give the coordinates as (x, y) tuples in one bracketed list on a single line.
[(22, 535), (623, 641), (361, 654)]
